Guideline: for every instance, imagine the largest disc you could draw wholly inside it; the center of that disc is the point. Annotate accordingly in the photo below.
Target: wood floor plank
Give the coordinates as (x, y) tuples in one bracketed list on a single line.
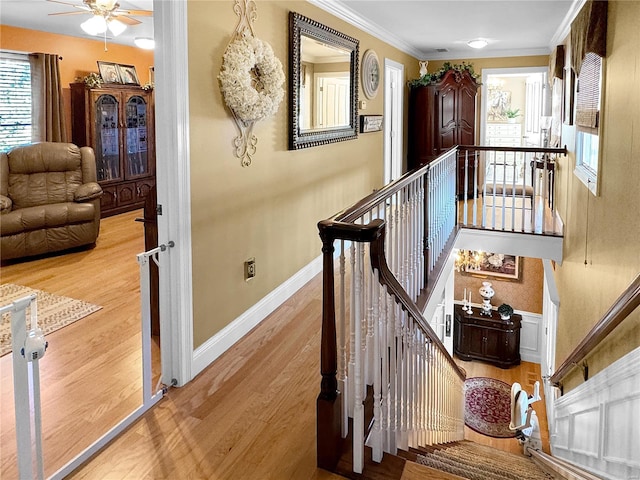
[(249, 415), (91, 373)]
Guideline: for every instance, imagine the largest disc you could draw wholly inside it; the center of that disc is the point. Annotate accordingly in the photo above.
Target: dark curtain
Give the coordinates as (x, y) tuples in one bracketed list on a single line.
[(589, 33), (47, 108), (556, 63)]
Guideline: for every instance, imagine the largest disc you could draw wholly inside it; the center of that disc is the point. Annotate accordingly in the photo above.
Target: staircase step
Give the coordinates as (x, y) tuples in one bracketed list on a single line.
[(479, 462)]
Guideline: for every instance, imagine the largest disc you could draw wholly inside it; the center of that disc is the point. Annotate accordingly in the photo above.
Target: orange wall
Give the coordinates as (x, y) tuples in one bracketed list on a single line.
[(79, 55)]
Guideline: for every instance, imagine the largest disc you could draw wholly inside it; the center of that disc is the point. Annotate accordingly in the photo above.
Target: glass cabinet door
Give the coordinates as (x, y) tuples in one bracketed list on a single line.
[(137, 160), (107, 148)]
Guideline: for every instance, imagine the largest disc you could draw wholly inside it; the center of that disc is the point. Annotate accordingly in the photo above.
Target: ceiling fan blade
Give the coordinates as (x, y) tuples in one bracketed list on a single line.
[(70, 13), (139, 13), (127, 20), (67, 3)]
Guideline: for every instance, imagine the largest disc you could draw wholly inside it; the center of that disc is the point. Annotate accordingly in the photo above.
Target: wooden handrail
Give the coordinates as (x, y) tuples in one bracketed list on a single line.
[(388, 279), (487, 148), (626, 303)]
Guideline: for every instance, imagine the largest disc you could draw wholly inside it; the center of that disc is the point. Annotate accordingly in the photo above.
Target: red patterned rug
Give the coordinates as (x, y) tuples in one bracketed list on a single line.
[(487, 406)]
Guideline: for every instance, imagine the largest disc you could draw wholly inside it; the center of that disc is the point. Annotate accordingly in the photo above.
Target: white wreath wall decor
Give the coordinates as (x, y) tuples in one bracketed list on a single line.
[(251, 80)]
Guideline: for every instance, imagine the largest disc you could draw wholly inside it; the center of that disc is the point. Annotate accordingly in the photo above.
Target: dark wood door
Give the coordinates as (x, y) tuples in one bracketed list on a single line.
[(447, 114)]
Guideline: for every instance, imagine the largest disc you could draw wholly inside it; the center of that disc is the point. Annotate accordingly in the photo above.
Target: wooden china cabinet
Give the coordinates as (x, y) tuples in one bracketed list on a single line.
[(117, 121), (442, 116)]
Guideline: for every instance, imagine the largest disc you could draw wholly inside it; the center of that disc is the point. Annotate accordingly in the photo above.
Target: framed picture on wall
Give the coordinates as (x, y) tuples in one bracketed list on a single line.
[(370, 123), (505, 267), (128, 74), (109, 72)]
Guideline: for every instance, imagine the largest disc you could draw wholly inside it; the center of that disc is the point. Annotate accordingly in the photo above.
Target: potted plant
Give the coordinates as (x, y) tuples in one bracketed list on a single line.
[(512, 115), (505, 311)]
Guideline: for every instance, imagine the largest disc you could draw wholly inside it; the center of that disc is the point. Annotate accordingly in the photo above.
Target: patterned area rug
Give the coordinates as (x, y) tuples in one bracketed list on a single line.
[(488, 406), (54, 311)]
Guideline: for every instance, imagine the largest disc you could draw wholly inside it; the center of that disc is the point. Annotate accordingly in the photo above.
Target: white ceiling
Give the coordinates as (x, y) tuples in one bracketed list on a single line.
[(421, 27), (417, 27), (34, 15)]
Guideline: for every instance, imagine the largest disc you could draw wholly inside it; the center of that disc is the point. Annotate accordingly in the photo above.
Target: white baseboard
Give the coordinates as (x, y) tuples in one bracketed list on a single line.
[(206, 353)]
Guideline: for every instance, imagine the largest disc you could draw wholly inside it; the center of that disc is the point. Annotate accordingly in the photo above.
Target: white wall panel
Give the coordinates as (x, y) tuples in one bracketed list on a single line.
[(597, 425)]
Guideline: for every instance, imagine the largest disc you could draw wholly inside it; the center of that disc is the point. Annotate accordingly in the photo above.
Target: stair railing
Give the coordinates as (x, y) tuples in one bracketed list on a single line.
[(377, 340), (509, 188), (626, 303)]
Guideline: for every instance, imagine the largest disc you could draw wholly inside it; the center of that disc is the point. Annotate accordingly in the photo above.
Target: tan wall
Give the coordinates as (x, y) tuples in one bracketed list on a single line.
[(613, 238), (79, 55), (524, 295), (268, 210)]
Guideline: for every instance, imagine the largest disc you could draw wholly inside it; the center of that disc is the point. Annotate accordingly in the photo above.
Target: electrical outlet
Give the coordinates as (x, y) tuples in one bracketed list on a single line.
[(250, 269)]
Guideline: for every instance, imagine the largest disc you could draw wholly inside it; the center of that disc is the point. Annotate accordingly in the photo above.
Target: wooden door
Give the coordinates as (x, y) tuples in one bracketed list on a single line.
[(447, 115), (466, 114)]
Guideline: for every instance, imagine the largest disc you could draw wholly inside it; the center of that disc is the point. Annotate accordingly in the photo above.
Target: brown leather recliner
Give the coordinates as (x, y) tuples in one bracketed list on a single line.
[(49, 199)]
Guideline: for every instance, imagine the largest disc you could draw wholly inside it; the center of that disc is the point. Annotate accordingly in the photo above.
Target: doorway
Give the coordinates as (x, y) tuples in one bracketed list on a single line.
[(516, 113), (393, 114)]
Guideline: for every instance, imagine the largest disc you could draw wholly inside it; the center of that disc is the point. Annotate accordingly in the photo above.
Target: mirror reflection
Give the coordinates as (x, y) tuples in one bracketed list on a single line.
[(323, 84)]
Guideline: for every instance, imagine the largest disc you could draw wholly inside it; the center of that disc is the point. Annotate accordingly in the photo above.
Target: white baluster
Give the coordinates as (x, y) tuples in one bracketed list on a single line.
[(376, 437), (342, 345), (351, 369), (358, 409)]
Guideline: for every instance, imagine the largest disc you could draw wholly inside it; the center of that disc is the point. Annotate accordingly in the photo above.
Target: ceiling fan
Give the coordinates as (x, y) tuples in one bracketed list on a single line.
[(106, 14)]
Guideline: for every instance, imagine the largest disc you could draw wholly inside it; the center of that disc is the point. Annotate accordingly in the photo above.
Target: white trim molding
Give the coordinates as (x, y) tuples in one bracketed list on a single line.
[(174, 189), (210, 350), (531, 337), (597, 423)]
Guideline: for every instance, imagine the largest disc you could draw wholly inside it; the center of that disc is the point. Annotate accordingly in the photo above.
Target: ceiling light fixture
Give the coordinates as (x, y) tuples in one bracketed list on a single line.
[(99, 24), (95, 25), (477, 43), (469, 260), (116, 27), (145, 43)]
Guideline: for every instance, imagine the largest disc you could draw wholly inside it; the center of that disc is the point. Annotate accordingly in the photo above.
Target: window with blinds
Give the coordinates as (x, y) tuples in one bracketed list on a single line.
[(588, 96), (15, 100)]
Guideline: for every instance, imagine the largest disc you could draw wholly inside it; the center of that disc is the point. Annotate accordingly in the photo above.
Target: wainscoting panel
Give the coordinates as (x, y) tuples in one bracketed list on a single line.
[(531, 337), (596, 425)]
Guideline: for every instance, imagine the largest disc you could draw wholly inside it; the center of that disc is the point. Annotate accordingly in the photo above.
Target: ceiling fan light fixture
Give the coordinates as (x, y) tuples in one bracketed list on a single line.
[(116, 27), (477, 43), (145, 43), (95, 25)]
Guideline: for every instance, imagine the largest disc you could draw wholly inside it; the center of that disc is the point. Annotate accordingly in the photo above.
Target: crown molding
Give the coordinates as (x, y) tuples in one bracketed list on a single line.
[(344, 13), (350, 16), (565, 26)]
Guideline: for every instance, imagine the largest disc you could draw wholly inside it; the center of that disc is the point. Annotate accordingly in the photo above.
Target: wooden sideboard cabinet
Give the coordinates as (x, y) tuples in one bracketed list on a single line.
[(117, 121), (442, 116), (490, 339)]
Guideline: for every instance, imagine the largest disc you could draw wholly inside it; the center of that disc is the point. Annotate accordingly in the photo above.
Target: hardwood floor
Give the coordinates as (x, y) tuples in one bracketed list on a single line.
[(249, 415), (91, 373)]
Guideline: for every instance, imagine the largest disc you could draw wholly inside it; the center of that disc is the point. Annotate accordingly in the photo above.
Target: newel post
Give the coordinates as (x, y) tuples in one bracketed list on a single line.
[(328, 419)]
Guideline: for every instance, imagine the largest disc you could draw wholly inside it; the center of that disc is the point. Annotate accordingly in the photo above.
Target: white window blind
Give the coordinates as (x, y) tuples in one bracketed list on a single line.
[(15, 100), (588, 94)]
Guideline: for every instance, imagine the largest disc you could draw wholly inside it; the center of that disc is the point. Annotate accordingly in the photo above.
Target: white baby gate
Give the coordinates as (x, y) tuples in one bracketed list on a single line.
[(29, 347)]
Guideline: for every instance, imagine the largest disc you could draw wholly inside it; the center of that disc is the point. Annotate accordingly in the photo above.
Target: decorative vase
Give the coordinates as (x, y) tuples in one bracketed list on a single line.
[(487, 293)]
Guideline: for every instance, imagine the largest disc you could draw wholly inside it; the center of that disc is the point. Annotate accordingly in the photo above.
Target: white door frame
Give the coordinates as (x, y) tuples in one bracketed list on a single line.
[(550, 308), (393, 115), (485, 90), (174, 189)]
